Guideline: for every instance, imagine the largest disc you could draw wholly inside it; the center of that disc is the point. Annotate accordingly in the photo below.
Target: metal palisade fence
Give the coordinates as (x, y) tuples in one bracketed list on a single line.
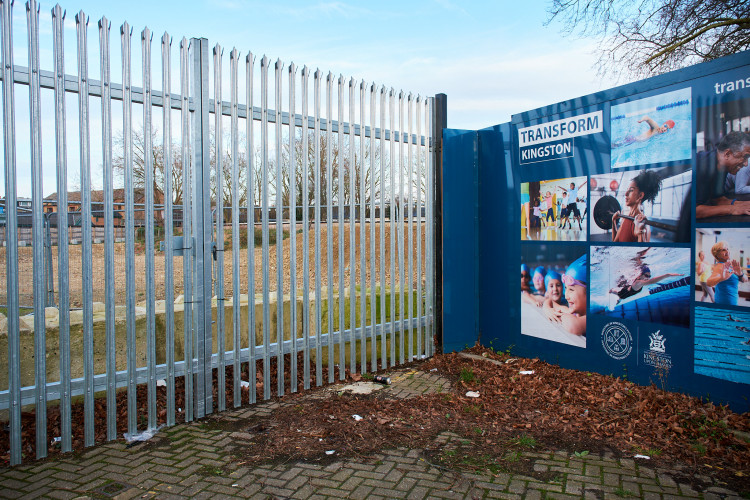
[(170, 254)]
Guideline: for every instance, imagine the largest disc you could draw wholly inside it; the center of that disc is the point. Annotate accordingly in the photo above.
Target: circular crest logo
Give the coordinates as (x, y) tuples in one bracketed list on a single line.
[(617, 340)]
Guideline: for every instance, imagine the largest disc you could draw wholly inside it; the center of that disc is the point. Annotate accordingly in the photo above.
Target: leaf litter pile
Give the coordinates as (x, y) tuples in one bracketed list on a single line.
[(522, 404), (550, 409)]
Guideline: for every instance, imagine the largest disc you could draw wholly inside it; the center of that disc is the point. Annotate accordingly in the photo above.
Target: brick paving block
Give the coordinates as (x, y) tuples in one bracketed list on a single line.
[(189, 470), (627, 463), (68, 467), (652, 487), (404, 460), (343, 474), (544, 486), (613, 469), (169, 488), (687, 490), (516, 486), (12, 493), (193, 489), (35, 485), (533, 495), (162, 469), (573, 487), (423, 475), (592, 470), (642, 480), (13, 484), (361, 492), (91, 485), (168, 462), (611, 479), (521, 477), (650, 495), (561, 496), (211, 462), (226, 481), (645, 472), (206, 494), (419, 467), (148, 484), (278, 492), (584, 479), (487, 486), (631, 486), (666, 481), (19, 474), (447, 494), (317, 481), (291, 473), (303, 492), (544, 461), (405, 484), (248, 485), (370, 475), (351, 483), (418, 492), (541, 467), (335, 466), (224, 442), (673, 492), (385, 467), (62, 494), (377, 483), (394, 475), (332, 493), (503, 495), (222, 489), (568, 470), (111, 454), (274, 482)]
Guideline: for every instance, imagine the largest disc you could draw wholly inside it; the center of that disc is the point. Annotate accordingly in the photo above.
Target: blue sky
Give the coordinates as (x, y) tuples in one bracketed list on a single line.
[(491, 58)]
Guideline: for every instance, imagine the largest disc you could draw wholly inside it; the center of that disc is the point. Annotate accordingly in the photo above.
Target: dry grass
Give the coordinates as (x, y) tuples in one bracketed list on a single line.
[(26, 277)]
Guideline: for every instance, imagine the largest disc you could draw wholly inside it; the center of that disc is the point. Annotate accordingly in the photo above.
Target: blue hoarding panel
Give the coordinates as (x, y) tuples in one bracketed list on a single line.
[(628, 212), (460, 239)]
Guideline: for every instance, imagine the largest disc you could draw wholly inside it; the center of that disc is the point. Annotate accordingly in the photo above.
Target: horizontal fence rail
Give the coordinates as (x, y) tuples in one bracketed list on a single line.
[(170, 253)]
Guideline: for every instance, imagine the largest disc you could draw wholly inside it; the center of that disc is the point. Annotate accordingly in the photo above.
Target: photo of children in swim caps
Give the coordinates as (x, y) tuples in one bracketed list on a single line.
[(652, 130), (554, 291)]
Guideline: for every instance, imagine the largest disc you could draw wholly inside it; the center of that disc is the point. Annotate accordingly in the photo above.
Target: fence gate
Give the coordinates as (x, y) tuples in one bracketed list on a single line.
[(167, 254)]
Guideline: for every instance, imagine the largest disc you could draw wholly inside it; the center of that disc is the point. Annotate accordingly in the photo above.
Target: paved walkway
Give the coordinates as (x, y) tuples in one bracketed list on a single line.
[(188, 461)]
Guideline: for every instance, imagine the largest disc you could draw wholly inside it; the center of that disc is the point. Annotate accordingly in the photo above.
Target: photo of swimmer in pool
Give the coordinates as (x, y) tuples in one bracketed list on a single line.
[(655, 129), (727, 265), (554, 305), (641, 206), (645, 284)]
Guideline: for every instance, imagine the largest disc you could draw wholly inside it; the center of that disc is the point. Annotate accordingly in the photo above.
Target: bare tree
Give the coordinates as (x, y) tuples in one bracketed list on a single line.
[(139, 164), (337, 158), (649, 37)]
